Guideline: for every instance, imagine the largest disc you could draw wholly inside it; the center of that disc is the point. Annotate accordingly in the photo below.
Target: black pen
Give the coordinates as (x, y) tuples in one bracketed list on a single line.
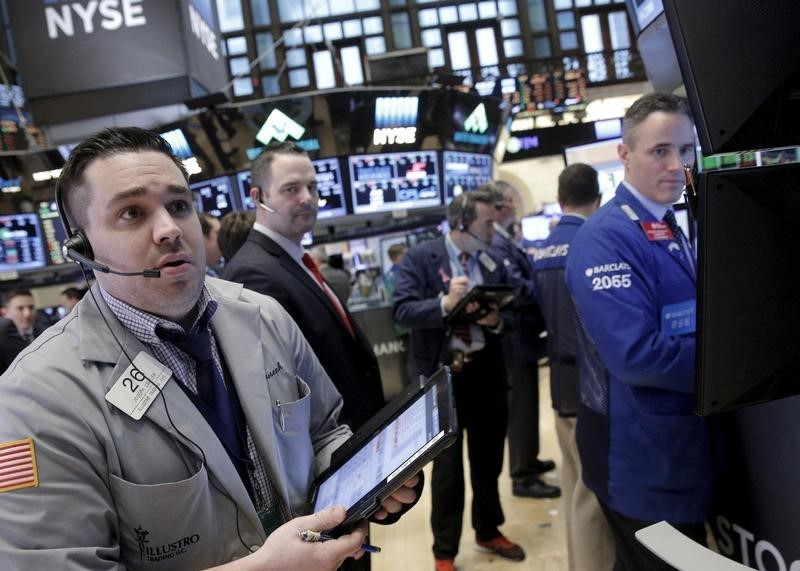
[(313, 536)]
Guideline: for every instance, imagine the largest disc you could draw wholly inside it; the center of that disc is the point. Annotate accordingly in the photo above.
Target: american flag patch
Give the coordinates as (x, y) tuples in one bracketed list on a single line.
[(18, 465)]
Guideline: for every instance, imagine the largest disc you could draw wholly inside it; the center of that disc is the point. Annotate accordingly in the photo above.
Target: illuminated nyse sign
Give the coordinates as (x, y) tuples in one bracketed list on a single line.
[(70, 17), (395, 120), (202, 27), (475, 130)]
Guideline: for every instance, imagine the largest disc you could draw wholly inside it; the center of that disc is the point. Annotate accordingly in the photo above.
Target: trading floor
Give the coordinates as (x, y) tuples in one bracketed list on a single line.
[(537, 525)]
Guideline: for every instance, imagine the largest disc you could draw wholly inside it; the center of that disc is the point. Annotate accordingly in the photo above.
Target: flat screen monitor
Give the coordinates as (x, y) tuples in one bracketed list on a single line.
[(748, 327), (330, 185), (21, 245), (215, 196), (464, 172), (394, 181), (743, 93), (536, 227), (177, 140), (604, 158), (643, 12), (53, 232)]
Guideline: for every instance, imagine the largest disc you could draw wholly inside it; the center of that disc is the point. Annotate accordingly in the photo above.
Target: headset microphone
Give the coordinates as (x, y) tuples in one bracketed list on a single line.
[(83, 260), (478, 238), (265, 207)]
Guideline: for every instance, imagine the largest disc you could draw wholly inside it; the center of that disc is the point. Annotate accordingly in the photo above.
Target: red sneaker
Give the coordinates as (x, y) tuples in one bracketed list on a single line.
[(501, 547), (445, 565)]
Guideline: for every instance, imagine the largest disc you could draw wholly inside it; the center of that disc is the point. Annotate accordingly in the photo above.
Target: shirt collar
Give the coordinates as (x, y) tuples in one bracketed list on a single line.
[(294, 250), (143, 324), (574, 215), (653, 207)]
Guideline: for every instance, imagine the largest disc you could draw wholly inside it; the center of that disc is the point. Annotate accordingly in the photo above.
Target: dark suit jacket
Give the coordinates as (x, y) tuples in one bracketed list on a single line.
[(11, 342), (420, 280), (263, 266), (522, 342)]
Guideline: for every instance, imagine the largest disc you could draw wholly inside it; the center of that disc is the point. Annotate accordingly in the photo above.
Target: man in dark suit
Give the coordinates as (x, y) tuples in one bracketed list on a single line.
[(18, 327), (523, 347), (431, 280), (273, 262)]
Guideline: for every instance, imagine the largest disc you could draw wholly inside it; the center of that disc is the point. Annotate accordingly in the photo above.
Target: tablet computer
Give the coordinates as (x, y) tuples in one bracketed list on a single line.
[(483, 294), (393, 446)]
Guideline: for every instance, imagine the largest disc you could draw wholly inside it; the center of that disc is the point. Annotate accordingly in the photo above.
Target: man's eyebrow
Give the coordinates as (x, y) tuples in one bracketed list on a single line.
[(141, 191)]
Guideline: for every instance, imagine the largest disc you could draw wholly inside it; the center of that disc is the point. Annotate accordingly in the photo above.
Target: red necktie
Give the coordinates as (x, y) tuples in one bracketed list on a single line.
[(309, 263)]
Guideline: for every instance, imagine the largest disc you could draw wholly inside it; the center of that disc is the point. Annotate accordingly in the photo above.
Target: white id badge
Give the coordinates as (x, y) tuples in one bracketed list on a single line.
[(133, 393), (487, 261)]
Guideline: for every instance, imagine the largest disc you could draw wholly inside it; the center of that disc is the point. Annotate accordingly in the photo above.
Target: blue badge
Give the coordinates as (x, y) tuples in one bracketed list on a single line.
[(679, 318)]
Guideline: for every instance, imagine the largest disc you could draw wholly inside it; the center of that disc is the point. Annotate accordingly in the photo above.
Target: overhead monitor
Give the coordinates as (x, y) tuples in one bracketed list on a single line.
[(215, 196), (53, 232), (464, 172), (394, 181), (177, 140), (21, 246), (604, 158), (330, 185), (644, 12), (748, 326), (537, 227), (742, 80)]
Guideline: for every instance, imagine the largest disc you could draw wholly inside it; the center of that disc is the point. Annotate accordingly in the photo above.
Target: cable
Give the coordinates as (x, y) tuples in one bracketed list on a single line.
[(166, 409)]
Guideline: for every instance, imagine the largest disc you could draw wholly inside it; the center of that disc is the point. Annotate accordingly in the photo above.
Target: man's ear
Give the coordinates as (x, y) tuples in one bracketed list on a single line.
[(624, 152)]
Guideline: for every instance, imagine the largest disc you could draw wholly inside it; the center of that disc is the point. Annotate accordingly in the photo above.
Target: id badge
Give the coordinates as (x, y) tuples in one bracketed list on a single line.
[(679, 318), (137, 387)]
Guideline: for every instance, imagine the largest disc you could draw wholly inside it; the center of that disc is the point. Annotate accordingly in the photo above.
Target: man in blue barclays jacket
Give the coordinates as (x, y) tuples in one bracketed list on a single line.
[(589, 541), (432, 278), (631, 272), (523, 346)]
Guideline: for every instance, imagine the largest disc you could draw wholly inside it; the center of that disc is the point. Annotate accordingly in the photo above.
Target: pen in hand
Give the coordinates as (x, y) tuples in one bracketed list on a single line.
[(312, 536)]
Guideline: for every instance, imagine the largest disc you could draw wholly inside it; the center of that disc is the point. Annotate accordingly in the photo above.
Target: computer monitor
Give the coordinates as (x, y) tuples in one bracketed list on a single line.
[(604, 158), (536, 227), (215, 196), (464, 172), (748, 306), (21, 245), (742, 80), (394, 181), (53, 232)]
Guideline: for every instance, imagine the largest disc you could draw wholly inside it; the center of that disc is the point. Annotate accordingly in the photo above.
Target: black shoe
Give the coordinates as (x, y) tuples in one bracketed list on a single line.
[(543, 466), (535, 489)]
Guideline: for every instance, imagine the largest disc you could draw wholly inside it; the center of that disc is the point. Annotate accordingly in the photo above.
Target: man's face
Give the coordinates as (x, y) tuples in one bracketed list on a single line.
[(481, 230), (140, 216), (21, 310), (505, 212), (661, 145), (68, 302), (292, 194), (213, 254)]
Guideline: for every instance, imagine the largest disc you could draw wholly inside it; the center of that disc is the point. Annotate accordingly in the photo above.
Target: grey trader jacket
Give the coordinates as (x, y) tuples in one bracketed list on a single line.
[(117, 493)]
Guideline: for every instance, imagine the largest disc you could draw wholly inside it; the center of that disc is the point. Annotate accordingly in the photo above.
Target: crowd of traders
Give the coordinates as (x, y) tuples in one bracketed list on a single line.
[(614, 290)]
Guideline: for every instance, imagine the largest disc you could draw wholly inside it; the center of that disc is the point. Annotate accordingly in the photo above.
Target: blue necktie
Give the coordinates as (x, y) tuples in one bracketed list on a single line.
[(215, 404), (680, 238)]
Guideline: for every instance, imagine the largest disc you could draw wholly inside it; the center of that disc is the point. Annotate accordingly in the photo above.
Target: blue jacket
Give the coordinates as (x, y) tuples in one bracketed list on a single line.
[(522, 342), (421, 279), (644, 452), (549, 262)]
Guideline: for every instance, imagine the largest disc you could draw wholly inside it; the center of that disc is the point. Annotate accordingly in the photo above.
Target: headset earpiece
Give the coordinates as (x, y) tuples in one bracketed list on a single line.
[(79, 243)]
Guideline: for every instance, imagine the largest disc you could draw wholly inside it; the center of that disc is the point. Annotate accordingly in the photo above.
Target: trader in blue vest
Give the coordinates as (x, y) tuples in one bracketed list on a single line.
[(631, 272), (589, 541)]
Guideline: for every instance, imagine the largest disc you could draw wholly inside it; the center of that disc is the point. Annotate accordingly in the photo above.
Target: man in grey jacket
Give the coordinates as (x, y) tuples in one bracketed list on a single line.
[(123, 445)]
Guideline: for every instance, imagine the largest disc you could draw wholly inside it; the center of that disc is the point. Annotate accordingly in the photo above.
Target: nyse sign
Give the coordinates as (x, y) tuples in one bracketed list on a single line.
[(394, 136), (70, 18)]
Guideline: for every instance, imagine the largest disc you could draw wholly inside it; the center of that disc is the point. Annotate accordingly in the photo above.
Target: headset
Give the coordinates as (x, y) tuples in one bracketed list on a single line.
[(467, 215), (78, 248)]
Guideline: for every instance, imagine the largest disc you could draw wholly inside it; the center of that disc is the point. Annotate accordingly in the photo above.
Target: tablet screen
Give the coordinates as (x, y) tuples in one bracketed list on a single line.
[(385, 455)]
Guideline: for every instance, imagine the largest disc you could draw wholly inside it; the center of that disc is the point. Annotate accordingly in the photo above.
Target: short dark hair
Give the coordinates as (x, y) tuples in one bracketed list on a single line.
[(115, 140), (261, 170), (461, 211), (10, 294), (396, 250), (578, 185), (233, 230), (205, 222), (648, 104), (73, 292)]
